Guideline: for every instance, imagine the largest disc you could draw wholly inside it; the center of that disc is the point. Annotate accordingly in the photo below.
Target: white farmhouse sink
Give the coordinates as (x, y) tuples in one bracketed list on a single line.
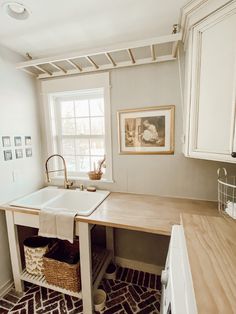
[(82, 202), (38, 199)]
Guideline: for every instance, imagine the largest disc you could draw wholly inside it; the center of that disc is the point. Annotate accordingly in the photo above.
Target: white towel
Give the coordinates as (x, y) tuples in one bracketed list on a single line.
[(231, 209), (65, 221), (47, 223), (57, 223)]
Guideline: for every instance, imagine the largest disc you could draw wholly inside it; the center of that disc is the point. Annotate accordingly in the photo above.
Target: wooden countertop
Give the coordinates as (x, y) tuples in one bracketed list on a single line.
[(146, 213), (211, 244), (153, 214)]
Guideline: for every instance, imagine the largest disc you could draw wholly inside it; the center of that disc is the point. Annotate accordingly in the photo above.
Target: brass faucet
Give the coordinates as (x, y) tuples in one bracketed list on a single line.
[(67, 183)]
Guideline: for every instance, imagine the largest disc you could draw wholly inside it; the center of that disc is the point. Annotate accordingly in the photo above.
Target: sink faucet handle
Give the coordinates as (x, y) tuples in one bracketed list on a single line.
[(68, 184)]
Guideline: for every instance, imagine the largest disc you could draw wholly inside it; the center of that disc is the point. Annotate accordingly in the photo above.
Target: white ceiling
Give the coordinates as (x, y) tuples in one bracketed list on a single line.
[(58, 26)]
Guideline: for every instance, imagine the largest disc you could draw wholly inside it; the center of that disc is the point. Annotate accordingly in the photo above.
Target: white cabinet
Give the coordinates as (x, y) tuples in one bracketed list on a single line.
[(210, 84)]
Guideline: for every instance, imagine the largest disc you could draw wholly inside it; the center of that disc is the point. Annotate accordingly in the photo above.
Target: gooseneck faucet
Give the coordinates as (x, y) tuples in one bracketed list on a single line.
[(67, 183)]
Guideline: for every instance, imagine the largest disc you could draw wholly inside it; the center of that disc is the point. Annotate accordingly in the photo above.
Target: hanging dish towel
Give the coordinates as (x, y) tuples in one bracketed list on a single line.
[(47, 223), (65, 221), (57, 223)]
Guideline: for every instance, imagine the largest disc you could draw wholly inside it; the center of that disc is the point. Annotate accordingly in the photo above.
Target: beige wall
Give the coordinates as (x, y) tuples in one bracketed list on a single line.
[(18, 116), (170, 175)]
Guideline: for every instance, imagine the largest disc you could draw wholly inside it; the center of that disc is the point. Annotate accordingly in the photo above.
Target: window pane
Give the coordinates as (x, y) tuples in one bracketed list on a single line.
[(97, 126), (68, 126), (82, 126), (83, 163), (94, 162), (81, 108), (67, 109), (82, 147), (68, 147), (70, 163), (97, 107), (97, 146)]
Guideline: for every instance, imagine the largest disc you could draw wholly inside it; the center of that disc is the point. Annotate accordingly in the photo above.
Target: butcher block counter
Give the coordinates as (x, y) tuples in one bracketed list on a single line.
[(211, 245), (153, 214)]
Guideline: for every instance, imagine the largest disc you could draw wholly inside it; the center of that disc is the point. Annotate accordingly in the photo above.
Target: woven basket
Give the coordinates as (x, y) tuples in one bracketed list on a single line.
[(62, 267), (64, 273), (95, 175), (34, 249)]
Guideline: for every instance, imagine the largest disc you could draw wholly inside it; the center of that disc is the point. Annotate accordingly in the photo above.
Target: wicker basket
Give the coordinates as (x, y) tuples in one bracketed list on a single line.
[(62, 265), (95, 175), (34, 249)]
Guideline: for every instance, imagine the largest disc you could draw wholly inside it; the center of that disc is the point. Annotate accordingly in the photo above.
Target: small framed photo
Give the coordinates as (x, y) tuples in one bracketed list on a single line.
[(6, 141), (17, 140), (7, 155), (147, 130), (28, 141), (19, 153), (28, 152)]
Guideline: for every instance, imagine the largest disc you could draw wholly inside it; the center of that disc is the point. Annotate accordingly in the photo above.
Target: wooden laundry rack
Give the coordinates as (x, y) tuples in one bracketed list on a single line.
[(133, 54)]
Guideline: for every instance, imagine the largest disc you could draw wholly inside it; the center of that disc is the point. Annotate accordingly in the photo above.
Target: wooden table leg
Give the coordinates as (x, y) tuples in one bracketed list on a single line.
[(14, 251), (86, 267)]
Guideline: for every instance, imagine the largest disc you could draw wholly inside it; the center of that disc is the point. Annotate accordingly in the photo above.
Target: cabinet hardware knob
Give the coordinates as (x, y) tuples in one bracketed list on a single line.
[(233, 154)]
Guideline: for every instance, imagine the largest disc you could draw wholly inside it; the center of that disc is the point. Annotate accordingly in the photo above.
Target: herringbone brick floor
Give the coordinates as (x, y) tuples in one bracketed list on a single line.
[(131, 292)]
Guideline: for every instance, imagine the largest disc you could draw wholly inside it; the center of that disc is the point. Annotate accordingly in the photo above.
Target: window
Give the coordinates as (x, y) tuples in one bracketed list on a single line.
[(79, 130)]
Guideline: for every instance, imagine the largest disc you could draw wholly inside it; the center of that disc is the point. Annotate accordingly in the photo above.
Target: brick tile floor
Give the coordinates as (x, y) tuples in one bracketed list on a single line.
[(131, 292)]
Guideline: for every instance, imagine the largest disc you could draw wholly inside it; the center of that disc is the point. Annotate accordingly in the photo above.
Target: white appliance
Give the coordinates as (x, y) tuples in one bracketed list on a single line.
[(177, 287)]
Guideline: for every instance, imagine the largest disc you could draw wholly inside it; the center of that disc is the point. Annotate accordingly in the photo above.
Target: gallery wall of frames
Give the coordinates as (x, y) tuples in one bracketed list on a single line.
[(16, 147)]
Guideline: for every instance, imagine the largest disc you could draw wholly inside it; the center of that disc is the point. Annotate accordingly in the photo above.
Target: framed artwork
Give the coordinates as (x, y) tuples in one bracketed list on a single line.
[(6, 141), (147, 130), (28, 140), (7, 155), (28, 152), (19, 153), (17, 140)]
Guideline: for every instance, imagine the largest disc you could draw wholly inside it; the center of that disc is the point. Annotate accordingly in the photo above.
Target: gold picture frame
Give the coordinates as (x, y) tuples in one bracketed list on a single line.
[(149, 130)]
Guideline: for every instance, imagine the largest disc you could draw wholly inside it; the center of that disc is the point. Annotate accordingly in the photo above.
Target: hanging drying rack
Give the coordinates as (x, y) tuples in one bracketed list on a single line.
[(154, 50)]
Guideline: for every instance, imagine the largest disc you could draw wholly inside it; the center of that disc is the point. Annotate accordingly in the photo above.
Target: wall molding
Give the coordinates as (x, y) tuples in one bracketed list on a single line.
[(137, 265), (195, 11), (6, 287)]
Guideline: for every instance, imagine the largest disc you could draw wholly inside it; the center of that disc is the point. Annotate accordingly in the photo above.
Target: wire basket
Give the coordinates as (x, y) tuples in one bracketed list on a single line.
[(226, 193)]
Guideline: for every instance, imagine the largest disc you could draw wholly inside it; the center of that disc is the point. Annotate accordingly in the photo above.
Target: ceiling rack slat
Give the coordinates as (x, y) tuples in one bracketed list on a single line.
[(153, 53), (109, 57), (75, 65), (92, 62), (131, 55), (174, 48)]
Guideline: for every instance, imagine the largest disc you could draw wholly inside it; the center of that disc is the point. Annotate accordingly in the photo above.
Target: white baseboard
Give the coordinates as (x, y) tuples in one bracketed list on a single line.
[(137, 265), (6, 287)]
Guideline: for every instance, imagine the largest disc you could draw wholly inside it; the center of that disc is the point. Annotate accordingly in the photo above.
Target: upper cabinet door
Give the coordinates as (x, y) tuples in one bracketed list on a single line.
[(212, 71)]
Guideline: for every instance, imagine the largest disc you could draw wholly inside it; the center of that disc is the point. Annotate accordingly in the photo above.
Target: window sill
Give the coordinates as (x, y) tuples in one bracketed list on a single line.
[(83, 179)]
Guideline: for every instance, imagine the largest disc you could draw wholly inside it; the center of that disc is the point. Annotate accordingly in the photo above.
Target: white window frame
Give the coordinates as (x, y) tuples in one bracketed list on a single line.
[(54, 87)]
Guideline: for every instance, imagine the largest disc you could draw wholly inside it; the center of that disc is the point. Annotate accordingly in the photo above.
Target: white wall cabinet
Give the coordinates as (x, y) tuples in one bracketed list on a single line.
[(210, 85)]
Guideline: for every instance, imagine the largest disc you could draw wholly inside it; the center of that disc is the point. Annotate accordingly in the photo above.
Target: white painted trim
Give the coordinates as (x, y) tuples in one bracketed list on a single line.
[(6, 287), (71, 84), (195, 11), (140, 266)]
